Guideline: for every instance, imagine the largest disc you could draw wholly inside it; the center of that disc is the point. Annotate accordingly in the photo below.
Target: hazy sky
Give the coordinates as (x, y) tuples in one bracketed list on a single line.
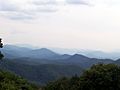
[(83, 24)]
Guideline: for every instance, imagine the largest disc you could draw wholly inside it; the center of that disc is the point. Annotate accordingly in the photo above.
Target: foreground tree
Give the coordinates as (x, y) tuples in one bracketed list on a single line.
[(1, 46), (61, 84), (10, 81), (98, 77), (101, 77)]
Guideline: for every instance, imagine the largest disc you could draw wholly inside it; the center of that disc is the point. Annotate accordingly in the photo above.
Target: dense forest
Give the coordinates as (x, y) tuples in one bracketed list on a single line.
[(98, 77), (61, 72), (10, 81)]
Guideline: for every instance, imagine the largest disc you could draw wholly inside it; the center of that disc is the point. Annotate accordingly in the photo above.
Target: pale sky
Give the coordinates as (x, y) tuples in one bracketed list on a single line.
[(82, 24)]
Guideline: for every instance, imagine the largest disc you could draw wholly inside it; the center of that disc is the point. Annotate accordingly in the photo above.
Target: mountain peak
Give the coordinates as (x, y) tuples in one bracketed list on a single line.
[(44, 50), (78, 57)]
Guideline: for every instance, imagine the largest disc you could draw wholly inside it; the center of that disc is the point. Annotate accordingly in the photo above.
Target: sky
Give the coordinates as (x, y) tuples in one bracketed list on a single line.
[(79, 24)]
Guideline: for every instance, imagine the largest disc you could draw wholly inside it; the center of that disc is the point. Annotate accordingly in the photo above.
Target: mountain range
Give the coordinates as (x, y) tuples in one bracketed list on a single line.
[(13, 52), (43, 65)]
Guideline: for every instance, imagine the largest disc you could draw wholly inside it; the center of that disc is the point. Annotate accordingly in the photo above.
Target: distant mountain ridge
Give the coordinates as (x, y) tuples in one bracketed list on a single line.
[(11, 51), (101, 55), (43, 65), (44, 55), (61, 51)]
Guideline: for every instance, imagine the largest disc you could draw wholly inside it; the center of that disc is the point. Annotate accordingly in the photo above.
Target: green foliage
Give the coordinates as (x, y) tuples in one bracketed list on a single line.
[(98, 77), (64, 84), (101, 77), (1, 55), (1, 46), (41, 73), (61, 84), (9, 81)]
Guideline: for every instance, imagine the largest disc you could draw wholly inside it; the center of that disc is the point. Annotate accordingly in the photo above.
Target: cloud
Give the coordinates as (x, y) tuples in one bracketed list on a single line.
[(17, 15), (26, 9), (44, 2), (5, 6), (101, 3), (30, 9), (83, 2)]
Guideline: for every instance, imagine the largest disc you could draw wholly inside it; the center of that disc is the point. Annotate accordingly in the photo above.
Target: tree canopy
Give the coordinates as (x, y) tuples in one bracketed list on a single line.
[(98, 77), (1, 46), (10, 81)]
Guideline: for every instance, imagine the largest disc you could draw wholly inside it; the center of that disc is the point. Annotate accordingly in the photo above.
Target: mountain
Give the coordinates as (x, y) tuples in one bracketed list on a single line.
[(46, 56), (16, 52), (11, 51), (89, 53), (44, 65), (78, 58), (101, 55), (42, 53), (61, 57), (40, 73), (83, 61), (117, 62)]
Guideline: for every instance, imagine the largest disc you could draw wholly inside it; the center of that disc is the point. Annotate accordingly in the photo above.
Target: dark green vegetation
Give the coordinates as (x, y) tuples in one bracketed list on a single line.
[(40, 73), (9, 81), (98, 77), (1, 56), (1, 46), (42, 65)]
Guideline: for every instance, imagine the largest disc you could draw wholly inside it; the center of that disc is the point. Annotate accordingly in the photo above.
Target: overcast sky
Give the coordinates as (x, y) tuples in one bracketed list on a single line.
[(83, 24)]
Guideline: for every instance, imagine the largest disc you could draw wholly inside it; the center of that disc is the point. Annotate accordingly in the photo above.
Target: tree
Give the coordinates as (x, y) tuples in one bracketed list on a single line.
[(1, 46), (10, 81), (98, 77), (61, 84), (101, 77)]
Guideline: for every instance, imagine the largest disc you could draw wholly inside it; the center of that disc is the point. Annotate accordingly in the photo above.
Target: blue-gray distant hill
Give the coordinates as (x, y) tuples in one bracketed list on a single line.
[(43, 65), (11, 51), (45, 56), (101, 54)]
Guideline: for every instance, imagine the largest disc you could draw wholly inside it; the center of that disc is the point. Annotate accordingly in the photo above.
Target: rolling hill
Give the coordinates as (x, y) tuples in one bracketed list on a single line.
[(43, 65), (40, 73), (10, 81)]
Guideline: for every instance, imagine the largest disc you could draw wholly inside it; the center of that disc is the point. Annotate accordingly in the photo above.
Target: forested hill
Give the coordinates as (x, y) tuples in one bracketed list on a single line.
[(40, 73), (41, 66), (98, 77), (10, 81)]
